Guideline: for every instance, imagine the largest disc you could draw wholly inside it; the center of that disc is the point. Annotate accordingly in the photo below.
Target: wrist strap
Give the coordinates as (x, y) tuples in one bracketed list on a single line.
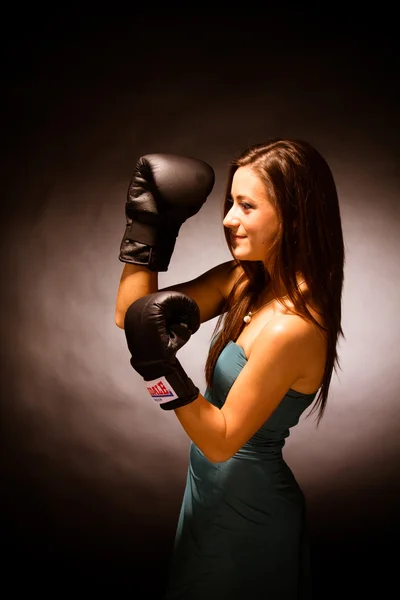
[(173, 390), (141, 232)]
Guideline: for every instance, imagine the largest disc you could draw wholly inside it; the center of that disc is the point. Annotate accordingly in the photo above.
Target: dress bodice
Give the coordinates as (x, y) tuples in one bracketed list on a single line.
[(285, 416)]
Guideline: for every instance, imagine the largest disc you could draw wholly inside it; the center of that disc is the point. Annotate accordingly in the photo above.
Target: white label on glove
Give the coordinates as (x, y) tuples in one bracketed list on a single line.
[(160, 390)]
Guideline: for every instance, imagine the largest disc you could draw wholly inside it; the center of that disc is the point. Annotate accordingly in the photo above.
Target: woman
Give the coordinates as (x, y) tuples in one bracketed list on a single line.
[(241, 531)]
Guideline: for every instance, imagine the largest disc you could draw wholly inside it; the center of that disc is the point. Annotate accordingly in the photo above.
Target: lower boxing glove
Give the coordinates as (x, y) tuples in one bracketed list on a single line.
[(156, 327)]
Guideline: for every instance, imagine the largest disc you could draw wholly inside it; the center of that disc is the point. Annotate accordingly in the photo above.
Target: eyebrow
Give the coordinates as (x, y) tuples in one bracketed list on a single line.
[(241, 197)]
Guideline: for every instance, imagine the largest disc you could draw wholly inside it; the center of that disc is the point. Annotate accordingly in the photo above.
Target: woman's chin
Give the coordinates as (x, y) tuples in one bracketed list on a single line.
[(242, 254)]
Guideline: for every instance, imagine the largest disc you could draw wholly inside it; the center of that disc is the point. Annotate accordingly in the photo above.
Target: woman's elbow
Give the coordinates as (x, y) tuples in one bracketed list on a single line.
[(217, 456), (120, 319)]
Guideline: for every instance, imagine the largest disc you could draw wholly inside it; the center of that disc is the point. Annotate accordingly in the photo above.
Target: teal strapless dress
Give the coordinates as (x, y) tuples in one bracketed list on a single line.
[(241, 532)]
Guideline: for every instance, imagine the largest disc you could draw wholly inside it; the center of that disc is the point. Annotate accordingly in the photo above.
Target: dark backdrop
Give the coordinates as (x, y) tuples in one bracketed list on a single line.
[(92, 473)]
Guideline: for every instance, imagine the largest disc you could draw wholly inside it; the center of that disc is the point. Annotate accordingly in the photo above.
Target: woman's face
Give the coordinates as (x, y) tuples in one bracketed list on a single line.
[(252, 219)]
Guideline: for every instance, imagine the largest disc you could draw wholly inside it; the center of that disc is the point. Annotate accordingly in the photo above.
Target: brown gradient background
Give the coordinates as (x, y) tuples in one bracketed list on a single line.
[(92, 471)]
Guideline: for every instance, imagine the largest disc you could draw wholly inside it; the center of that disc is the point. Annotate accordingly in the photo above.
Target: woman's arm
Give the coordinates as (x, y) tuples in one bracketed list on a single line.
[(279, 357), (136, 281), (209, 290), (155, 329)]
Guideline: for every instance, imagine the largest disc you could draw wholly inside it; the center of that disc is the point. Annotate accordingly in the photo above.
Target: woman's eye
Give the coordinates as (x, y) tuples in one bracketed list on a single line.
[(243, 205)]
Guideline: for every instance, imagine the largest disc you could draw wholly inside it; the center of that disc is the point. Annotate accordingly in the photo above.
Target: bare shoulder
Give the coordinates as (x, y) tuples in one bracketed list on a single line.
[(301, 346), (230, 273), (288, 330)]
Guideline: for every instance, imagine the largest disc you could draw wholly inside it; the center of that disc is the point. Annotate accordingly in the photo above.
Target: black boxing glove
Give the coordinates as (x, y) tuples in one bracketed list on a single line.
[(156, 327), (165, 191)]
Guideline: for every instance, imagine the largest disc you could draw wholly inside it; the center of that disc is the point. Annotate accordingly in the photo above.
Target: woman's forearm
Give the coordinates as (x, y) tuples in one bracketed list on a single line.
[(135, 282), (205, 425)]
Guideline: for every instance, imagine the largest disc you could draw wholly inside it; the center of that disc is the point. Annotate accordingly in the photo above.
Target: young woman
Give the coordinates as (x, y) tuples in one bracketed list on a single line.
[(242, 527)]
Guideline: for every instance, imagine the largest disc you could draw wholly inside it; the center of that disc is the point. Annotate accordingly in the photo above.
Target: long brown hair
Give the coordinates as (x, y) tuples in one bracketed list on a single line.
[(301, 186)]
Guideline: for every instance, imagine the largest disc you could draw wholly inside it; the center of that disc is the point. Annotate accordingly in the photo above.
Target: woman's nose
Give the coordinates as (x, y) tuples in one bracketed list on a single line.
[(230, 219)]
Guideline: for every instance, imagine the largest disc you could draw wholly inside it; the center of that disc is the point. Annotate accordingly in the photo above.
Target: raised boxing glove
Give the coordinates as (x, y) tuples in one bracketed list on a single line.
[(165, 190), (156, 327)]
